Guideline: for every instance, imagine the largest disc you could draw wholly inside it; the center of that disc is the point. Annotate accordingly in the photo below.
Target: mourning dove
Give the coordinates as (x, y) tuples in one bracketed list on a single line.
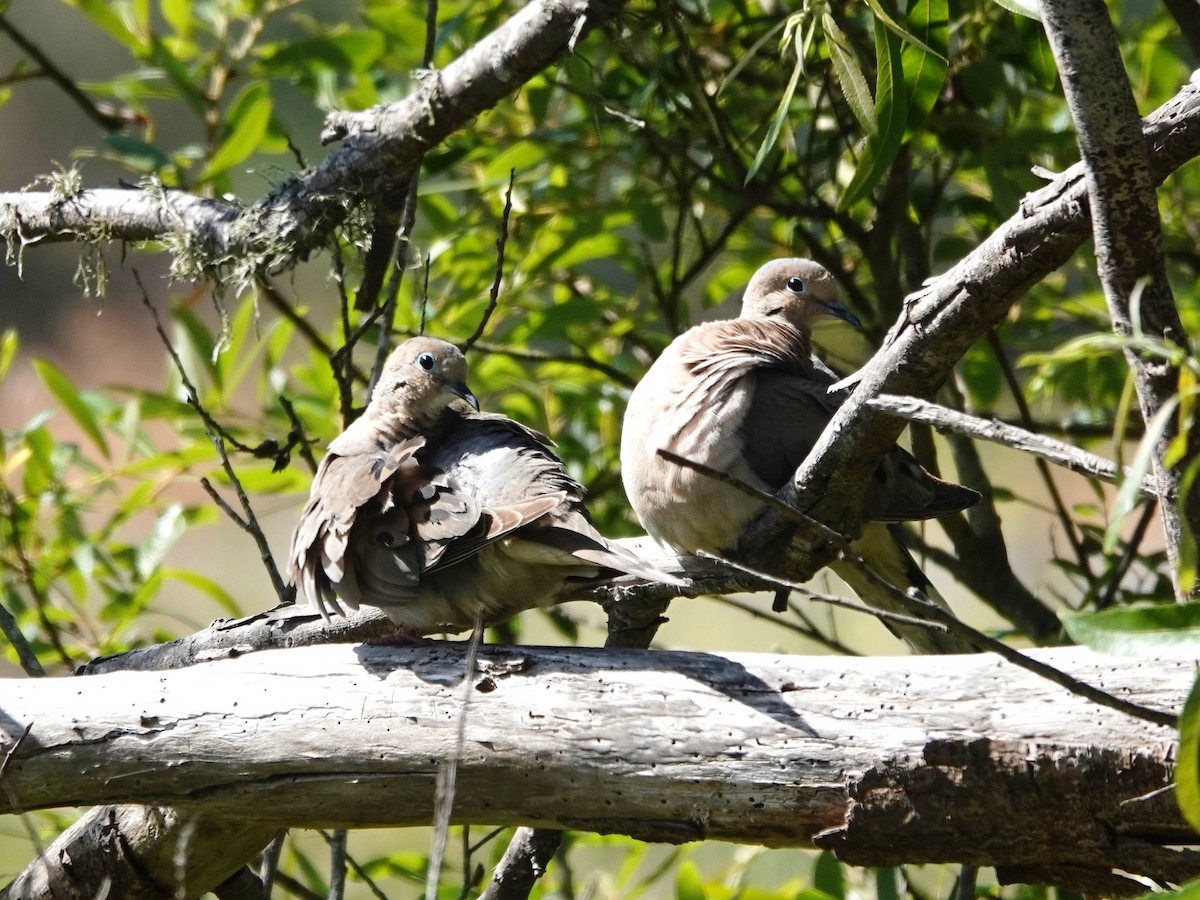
[(437, 513), (747, 397)]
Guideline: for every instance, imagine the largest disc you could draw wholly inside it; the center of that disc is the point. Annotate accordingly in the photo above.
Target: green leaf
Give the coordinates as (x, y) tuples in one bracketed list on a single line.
[(925, 72), (206, 586), (688, 883), (1187, 773), (249, 117), (109, 20), (1170, 630), (168, 528), (1029, 8), (885, 884), (850, 76), (781, 112), (77, 408), (882, 16), (9, 343), (828, 876), (350, 51), (137, 154), (178, 75), (178, 14), (890, 113)]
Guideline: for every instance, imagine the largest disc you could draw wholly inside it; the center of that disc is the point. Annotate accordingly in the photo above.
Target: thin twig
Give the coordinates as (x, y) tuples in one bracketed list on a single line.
[(424, 297), (250, 524), (11, 752), (41, 602), (224, 505), (357, 868), (925, 609), (296, 436), (106, 120), (31, 832), (387, 310), (269, 864), (778, 582), (1060, 507), (1109, 595), (612, 373), (25, 652), (296, 887), (1045, 449), (501, 242), (447, 775), (807, 630), (790, 512)]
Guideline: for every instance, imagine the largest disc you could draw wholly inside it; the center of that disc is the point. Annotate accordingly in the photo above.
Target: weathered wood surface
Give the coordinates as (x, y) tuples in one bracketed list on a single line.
[(884, 760)]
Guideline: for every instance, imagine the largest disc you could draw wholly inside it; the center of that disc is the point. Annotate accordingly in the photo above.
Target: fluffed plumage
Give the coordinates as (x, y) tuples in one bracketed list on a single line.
[(747, 397), (435, 513)]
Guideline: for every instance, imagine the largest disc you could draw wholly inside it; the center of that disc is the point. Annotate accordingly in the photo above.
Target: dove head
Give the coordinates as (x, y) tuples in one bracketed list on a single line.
[(421, 379), (795, 290)]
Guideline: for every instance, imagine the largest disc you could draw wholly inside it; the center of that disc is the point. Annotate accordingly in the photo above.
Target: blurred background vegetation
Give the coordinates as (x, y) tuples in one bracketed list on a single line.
[(654, 171)]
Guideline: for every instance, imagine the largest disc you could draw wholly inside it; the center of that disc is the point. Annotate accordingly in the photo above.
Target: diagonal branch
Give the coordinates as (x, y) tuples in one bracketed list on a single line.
[(943, 319)]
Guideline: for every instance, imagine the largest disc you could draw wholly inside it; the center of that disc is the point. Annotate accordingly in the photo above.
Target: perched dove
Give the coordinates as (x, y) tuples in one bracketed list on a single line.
[(747, 397), (435, 512)]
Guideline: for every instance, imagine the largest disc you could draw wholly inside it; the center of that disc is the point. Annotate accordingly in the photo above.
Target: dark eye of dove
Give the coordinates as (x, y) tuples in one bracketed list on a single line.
[(426, 361), (795, 284)]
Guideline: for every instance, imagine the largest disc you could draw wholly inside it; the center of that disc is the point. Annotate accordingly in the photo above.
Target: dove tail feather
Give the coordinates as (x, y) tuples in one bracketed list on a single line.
[(882, 548)]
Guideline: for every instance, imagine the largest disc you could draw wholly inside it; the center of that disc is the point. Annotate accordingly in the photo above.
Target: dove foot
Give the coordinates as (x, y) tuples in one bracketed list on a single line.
[(403, 636)]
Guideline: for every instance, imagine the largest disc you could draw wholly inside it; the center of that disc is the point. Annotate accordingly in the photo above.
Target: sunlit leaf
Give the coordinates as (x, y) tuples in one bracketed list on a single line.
[(9, 343), (248, 118), (890, 112), (178, 14), (1152, 630), (168, 528), (688, 883), (925, 72), (1029, 8), (882, 16), (103, 14), (76, 407), (850, 76), (777, 121), (1187, 772)]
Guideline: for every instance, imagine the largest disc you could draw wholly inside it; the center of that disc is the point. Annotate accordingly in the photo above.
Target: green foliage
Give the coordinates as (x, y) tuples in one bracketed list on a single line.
[(1147, 631), (656, 168), (1187, 773)]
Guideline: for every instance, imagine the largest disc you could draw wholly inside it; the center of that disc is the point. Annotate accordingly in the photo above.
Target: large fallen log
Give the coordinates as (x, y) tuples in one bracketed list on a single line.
[(883, 760)]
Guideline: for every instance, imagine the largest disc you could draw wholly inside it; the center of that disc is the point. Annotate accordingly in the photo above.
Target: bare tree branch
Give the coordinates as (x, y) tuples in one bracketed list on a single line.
[(945, 419), (381, 148)]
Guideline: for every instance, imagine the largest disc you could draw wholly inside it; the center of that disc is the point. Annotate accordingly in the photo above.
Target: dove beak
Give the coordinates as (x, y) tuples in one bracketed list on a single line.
[(465, 392), (836, 309)]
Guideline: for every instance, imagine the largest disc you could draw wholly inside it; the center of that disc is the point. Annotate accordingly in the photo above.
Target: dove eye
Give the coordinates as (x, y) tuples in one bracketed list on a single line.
[(795, 284), (426, 361)]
